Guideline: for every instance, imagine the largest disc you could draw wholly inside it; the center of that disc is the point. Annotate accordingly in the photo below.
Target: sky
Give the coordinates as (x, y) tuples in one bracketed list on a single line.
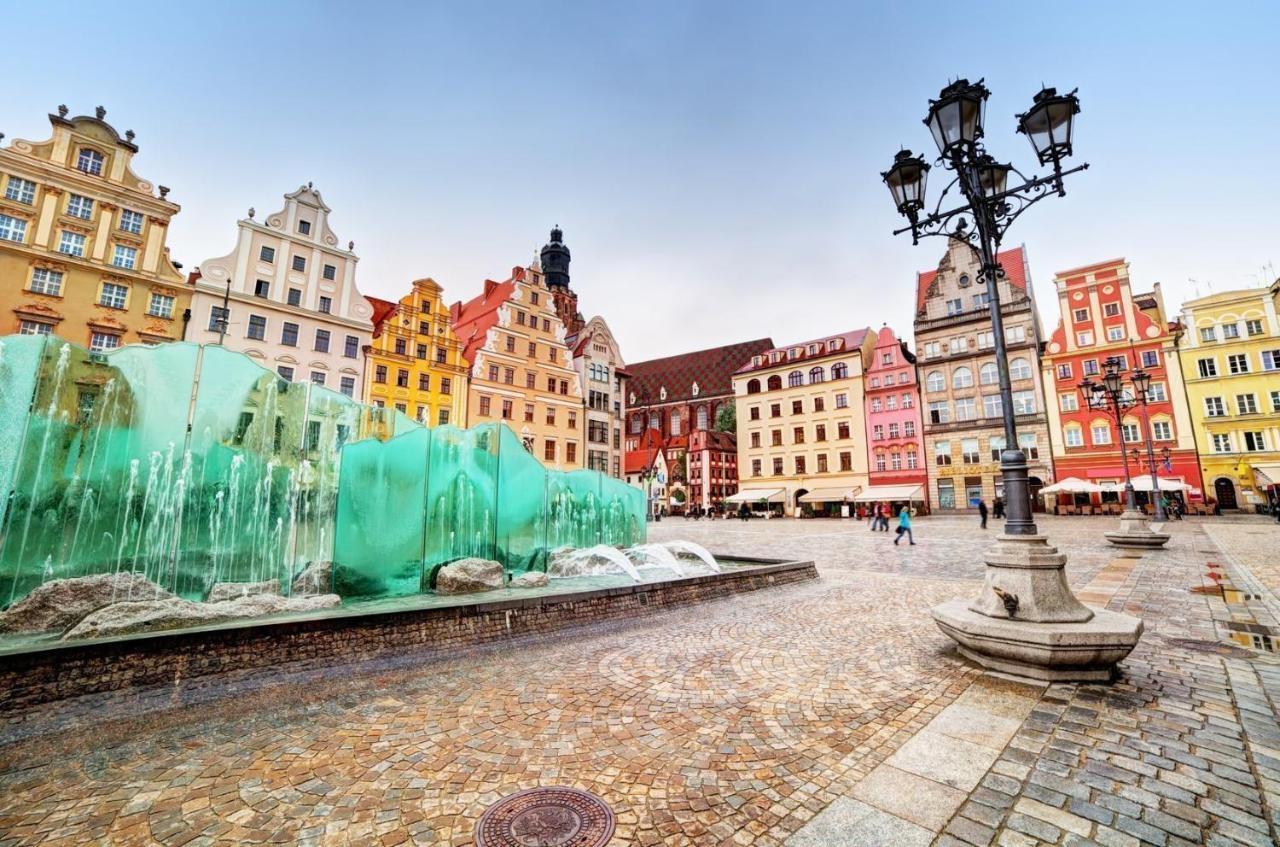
[(715, 166)]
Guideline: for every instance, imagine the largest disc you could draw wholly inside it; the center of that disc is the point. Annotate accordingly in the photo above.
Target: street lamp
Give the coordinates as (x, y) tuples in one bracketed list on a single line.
[(1025, 620), (1109, 398)]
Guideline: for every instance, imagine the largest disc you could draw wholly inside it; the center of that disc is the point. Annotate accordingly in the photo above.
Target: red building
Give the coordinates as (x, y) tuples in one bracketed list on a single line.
[(895, 428), (1102, 318)]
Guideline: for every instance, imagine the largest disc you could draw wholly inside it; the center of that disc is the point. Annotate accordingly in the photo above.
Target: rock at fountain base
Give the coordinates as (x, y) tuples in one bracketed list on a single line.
[(466, 576), (530, 579), (60, 604), (176, 613), (1048, 652), (315, 578), (231, 590)]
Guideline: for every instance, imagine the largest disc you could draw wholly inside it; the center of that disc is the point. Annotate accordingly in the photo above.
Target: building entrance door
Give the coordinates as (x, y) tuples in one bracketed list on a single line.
[(1225, 492)]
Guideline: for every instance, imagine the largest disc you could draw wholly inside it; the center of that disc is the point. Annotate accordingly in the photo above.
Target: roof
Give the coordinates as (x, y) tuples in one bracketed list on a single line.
[(711, 369), (852, 339), (1013, 262), (1093, 266), (473, 319), (382, 309), (649, 448)]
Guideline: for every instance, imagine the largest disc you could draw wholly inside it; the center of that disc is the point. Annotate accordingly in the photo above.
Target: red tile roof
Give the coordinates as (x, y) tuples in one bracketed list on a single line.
[(1012, 261), (852, 341), (473, 319), (382, 309), (712, 369)]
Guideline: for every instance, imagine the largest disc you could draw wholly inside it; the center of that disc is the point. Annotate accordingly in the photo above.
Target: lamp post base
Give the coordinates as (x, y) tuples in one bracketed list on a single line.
[(1026, 622), (1135, 531)]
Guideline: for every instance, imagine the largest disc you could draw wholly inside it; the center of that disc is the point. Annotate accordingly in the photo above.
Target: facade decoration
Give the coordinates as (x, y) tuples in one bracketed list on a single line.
[(414, 363), (683, 394), (960, 392), (603, 378), (895, 426), (802, 438), (82, 240), (286, 296), (522, 368), (1229, 350), (1102, 318)]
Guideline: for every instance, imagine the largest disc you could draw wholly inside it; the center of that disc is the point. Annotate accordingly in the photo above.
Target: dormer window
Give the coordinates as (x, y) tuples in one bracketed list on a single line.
[(90, 161), (756, 361), (304, 227), (813, 349), (832, 344)]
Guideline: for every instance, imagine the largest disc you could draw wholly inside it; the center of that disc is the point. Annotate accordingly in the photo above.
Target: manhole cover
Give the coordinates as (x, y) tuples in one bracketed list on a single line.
[(546, 817)]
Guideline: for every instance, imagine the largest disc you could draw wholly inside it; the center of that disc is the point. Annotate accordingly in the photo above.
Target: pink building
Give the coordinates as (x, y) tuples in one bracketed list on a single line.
[(895, 430)]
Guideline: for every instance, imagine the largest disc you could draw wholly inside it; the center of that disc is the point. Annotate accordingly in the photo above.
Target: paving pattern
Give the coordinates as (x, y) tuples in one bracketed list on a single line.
[(832, 712)]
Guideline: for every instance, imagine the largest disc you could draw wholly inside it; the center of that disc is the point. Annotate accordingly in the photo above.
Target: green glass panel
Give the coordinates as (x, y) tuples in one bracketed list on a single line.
[(522, 511), (462, 493)]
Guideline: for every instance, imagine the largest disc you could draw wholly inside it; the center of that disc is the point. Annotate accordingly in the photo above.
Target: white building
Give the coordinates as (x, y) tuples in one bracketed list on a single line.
[(602, 373), (292, 302)]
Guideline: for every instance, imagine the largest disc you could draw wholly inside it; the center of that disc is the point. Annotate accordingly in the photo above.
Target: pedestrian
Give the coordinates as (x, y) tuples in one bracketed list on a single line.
[(997, 508), (1275, 508), (886, 512), (982, 512), (904, 526), (875, 517)]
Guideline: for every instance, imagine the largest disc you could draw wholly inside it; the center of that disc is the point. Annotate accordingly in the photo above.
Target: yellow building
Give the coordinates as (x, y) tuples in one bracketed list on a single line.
[(82, 240), (802, 434), (1230, 354), (415, 361)]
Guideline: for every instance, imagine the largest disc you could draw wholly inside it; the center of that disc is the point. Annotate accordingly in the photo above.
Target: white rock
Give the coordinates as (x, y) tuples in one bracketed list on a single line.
[(176, 613), (467, 575), (530, 579), (231, 590), (315, 578), (61, 603)]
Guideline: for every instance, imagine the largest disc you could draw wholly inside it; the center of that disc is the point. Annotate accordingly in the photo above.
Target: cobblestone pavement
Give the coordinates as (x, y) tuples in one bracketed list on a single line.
[(825, 713)]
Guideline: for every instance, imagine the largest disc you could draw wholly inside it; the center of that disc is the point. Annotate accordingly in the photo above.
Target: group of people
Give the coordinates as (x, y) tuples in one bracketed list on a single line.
[(880, 514)]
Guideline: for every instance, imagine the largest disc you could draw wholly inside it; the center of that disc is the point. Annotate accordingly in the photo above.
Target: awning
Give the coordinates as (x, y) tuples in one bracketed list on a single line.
[(1266, 475), (1143, 483), (829, 495), (755, 495), (891, 493), (1072, 485)]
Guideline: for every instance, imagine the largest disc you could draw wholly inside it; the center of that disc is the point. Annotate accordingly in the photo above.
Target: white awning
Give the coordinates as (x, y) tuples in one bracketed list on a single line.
[(755, 495), (829, 495), (1265, 475), (1072, 485), (1143, 483), (891, 493)]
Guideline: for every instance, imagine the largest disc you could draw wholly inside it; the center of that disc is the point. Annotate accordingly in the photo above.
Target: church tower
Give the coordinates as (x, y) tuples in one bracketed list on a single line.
[(555, 269)]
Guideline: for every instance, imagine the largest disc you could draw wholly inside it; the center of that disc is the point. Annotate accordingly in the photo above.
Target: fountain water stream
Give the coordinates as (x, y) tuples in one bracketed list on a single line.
[(696, 550)]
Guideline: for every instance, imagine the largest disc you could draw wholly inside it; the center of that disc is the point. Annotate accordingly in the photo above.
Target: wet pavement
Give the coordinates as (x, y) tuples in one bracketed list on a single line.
[(832, 712)]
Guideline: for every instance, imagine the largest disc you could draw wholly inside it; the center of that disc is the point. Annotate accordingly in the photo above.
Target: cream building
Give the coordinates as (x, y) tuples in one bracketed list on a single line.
[(802, 438), (602, 373), (290, 296)]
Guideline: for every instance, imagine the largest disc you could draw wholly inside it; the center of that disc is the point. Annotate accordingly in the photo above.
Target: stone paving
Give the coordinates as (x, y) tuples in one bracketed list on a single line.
[(825, 713)]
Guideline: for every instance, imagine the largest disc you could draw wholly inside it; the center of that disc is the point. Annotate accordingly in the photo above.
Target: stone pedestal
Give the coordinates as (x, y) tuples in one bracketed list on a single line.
[(1136, 532), (1025, 620)]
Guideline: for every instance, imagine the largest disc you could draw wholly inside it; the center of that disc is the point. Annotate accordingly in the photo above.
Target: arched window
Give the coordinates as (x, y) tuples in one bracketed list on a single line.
[(989, 374), (775, 382), (637, 422), (89, 161), (653, 420), (816, 375), (961, 378), (935, 381), (795, 379), (702, 417), (753, 386), (839, 370), (675, 421), (1019, 369)]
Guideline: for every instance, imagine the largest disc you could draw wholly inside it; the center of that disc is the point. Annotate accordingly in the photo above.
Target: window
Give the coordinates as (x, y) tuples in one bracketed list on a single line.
[(1271, 360), (506, 410), (1080, 316), (100, 341), (1246, 404), (996, 445), (80, 207), (1254, 442), (986, 340), (932, 349), (893, 430), (351, 347), (1253, 326), (981, 300), (753, 386), (777, 467), (446, 385), (877, 432), (955, 307), (1068, 402), (942, 453), (424, 382), (875, 404), (1230, 331), (962, 378), (257, 327), (299, 263), (775, 410), (842, 401), (1073, 436), (1208, 334), (1015, 334), (289, 334), (1064, 371), (1084, 339), (795, 379), (20, 190), (909, 428), (1221, 442), (443, 418), (1238, 363), (14, 229), (1214, 407), (822, 463), (969, 451), (161, 305), (939, 412), (1111, 310), (267, 254), (820, 432), (89, 161), (819, 404), (817, 375), (113, 296), (1161, 431), (888, 379), (1090, 367), (125, 257), (1027, 442), (45, 281), (775, 438), (755, 467), (1208, 367), (1101, 433), (957, 346), (880, 460), (1156, 393), (1024, 402), (755, 439), (218, 318), (294, 297), (441, 354), (1150, 359), (992, 407), (1115, 333), (891, 402), (966, 409), (330, 272), (846, 461), (484, 406), (908, 401), (34, 328), (509, 376), (317, 378), (800, 465), (1019, 368), (71, 243), (1129, 433), (935, 381), (1275, 401), (326, 305), (754, 413), (304, 227)]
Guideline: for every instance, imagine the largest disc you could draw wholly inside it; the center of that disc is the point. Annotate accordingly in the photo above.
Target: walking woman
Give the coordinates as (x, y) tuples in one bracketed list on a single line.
[(904, 526)]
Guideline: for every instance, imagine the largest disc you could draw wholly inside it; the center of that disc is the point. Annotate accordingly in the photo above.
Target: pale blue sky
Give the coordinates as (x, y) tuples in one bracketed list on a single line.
[(715, 166)]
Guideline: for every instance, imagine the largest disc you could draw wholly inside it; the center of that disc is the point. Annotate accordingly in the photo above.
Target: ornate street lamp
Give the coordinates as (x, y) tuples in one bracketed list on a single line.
[(1024, 578)]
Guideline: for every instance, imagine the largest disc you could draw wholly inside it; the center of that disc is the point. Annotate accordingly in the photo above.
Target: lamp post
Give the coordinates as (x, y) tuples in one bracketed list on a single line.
[(1141, 385), (1025, 619)]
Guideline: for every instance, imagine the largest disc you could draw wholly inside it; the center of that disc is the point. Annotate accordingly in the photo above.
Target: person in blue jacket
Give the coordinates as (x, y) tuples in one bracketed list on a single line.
[(904, 526)]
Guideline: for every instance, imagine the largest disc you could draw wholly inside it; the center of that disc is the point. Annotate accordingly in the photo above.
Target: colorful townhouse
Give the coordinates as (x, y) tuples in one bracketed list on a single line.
[(894, 424), (1229, 348), (1103, 318)]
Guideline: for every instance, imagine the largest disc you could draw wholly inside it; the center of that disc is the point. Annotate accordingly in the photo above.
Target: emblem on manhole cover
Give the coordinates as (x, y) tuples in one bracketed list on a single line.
[(546, 817)]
